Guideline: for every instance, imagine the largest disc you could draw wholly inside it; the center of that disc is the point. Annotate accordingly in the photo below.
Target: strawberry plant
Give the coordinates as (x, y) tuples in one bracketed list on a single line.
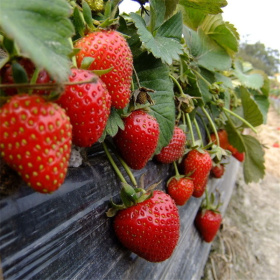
[(160, 83)]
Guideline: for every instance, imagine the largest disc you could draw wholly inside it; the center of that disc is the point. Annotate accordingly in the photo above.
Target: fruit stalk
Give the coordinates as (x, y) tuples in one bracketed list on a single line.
[(238, 117), (126, 167), (198, 130), (212, 125), (115, 167), (190, 128)]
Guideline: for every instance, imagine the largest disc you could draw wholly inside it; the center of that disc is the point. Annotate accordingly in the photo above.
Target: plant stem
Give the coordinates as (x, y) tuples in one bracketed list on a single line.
[(117, 170), (205, 126), (34, 78), (178, 85), (128, 171), (190, 128), (124, 164), (240, 118), (74, 61), (177, 174), (201, 77), (198, 130), (212, 125), (136, 77)]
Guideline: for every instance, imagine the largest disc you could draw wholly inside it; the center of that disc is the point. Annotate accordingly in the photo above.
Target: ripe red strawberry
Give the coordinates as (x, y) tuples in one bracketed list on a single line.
[(208, 223), (109, 49), (6, 74), (197, 165), (223, 138), (208, 218), (88, 106), (35, 140), (232, 149), (239, 156), (150, 228), (276, 145), (175, 149), (138, 141), (224, 142), (218, 171), (180, 189)]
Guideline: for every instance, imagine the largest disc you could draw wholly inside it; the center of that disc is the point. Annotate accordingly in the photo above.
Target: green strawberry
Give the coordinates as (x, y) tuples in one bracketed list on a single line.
[(35, 140), (138, 141), (88, 106), (96, 6), (175, 149), (150, 228), (197, 165), (109, 49)]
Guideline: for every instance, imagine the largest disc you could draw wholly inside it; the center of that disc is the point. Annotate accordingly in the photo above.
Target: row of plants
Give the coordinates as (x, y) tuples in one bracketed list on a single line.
[(163, 83)]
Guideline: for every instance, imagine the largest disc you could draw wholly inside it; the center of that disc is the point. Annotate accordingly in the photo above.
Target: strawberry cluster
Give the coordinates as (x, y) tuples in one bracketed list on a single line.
[(37, 130)]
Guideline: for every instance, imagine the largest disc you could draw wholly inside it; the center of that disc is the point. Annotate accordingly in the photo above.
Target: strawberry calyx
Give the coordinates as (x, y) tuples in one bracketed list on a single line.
[(208, 204), (217, 153), (129, 196), (177, 175), (142, 96)]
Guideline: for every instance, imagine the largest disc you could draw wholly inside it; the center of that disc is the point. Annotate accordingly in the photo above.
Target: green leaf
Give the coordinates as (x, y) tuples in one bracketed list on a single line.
[(254, 168), (9, 46), (207, 7), (19, 73), (207, 53), (215, 28), (170, 6), (192, 17), (235, 137), (86, 62), (167, 49), (247, 79), (204, 78), (157, 14), (153, 74), (114, 123), (266, 85), (263, 104), (226, 81), (172, 28), (133, 39), (87, 14), (251, 110), (193, 88), (42, 30), (78, 22)]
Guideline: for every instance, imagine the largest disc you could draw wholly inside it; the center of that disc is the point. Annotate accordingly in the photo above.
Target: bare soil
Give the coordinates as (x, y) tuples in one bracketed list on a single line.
[(248, 244)]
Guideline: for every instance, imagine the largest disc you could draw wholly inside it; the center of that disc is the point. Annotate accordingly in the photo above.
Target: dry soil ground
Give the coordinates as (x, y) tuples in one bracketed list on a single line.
[(248, 244)]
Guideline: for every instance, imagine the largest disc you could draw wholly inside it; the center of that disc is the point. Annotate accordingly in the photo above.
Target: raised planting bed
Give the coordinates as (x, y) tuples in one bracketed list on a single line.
[(67, 235)]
